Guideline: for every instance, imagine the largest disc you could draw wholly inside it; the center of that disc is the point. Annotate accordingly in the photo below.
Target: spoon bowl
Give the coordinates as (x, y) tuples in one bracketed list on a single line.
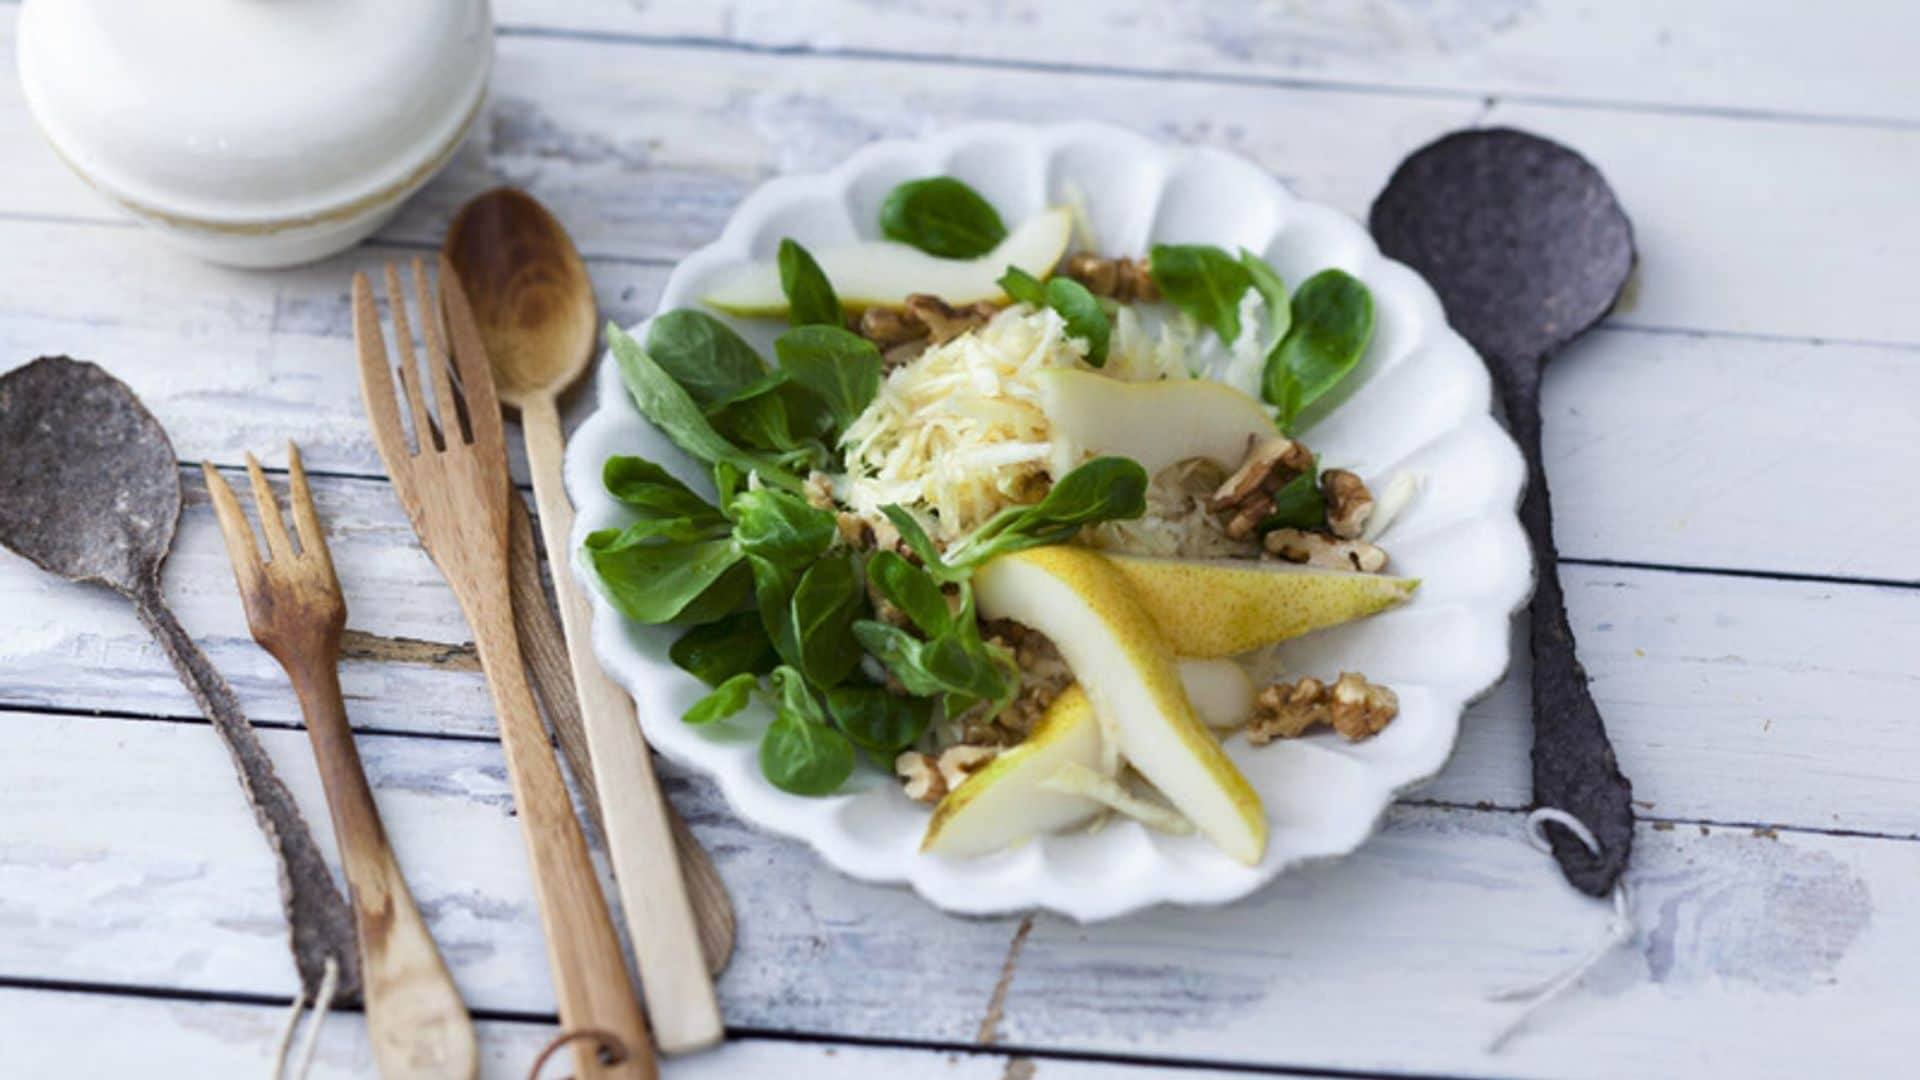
[(529, 291), (91, 491), (1522, 238)]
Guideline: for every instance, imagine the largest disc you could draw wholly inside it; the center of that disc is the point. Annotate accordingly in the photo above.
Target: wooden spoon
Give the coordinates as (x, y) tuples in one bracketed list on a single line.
[(1528, 248), (537, 316)]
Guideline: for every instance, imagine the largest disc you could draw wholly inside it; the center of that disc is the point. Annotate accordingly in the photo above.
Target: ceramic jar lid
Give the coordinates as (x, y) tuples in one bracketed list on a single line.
[(254, 113)]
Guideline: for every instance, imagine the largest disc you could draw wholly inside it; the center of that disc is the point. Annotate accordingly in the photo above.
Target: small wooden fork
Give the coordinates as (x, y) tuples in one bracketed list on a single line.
[(418, 1025), (453, 482)]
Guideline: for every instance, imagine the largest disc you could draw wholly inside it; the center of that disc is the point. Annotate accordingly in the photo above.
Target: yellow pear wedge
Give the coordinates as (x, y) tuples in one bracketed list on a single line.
[(883, 273), (1005, 802), (1213, 608), (1120, 657), (1221, 691), (1154, 423)]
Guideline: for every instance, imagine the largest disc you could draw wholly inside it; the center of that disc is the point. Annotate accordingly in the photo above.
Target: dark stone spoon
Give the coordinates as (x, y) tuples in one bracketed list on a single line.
[(1528, 249), (90, 491)]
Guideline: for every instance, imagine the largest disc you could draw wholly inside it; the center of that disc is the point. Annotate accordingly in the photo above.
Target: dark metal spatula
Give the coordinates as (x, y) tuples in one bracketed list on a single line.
[(90, 491), (1528, 248)]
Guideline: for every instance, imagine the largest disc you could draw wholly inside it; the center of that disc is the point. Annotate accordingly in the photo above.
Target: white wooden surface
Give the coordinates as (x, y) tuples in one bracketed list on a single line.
[(1732, 460)]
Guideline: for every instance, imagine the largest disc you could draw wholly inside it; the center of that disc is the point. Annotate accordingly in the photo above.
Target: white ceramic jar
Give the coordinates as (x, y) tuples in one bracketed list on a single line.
[(256, 132)]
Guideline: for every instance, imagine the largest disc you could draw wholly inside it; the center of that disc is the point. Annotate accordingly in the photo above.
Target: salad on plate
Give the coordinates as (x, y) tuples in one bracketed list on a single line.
[(1018, 521)]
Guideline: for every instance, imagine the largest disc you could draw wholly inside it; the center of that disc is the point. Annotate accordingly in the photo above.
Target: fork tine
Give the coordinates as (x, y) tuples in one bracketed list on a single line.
[(279, 546), (376, 379), (241, 548), (306, 523), (439, 365), (423, 436), (476, 373)]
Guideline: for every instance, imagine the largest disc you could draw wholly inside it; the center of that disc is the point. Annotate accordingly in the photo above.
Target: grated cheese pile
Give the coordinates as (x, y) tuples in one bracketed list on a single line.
[(958, 433)]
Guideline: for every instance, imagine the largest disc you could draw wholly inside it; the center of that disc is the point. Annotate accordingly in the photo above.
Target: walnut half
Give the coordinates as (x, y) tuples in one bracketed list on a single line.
[(1330, 552), (1122, 279), (1349, 503), (1246, 498), (921, 777), (1352, 706)]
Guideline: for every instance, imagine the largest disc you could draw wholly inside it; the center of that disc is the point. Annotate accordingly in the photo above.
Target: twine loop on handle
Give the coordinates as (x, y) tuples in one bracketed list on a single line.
[(1620, 930), (612, 1050), (329, 983)]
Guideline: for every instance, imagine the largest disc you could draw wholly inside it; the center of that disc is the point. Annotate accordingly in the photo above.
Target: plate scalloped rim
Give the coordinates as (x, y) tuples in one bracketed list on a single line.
[(870, 832)]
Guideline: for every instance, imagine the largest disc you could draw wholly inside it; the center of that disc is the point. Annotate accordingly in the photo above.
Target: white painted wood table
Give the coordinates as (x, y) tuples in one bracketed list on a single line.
[(1733, 459)]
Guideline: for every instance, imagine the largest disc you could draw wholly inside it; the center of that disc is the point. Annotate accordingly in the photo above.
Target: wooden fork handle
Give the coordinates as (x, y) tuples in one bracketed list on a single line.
[(589, 970), (418, 1024)]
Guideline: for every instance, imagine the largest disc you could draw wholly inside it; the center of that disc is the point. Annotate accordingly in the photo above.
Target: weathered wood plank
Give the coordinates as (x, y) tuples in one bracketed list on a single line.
[(1807, 682), (51, 1033), (1652, 440), (230, 362), (70, 646), (644, 150), (1713, 55), (126, 857)]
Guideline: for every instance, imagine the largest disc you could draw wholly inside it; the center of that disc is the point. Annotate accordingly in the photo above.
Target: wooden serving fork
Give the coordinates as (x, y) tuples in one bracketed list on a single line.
[(453, 483), (418, 1025)]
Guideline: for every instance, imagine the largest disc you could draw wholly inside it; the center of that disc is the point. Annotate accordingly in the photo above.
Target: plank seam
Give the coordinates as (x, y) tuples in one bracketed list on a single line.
[(740, 1034), (1281, 82)]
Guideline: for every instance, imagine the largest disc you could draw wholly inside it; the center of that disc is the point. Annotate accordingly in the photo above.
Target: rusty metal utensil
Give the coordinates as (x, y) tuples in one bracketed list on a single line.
[(1528, 248), (90, 491), (415, 1019)]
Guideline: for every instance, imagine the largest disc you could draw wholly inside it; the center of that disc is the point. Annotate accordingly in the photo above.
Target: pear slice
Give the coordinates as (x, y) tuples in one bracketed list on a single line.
[(1119, 655), (1221, 691), (1006, 802), (884, 274), (1225, 607), (1154, 423)]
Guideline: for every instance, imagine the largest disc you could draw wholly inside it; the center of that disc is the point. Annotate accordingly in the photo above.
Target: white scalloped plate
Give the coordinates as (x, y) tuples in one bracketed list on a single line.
[(1420, 401)]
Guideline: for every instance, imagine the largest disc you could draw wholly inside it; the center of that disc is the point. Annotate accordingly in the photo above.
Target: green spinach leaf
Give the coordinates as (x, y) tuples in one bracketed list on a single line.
[(826, 601), (1104, 489), (709, 361), (1084, 316), (656, 494), (921, 544), (837, 366), (781, 527), (773, 586), (1023, 288), (656, 583), (718, 651), (723, 701), (805, 758), (1332, 324), (800, 752), (1077, 307), (779, 420), (942, 216), (956, 664), (1203, 281), (911, 589), (671, 409), (1272, 290), (810, 296), (880, 723)]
